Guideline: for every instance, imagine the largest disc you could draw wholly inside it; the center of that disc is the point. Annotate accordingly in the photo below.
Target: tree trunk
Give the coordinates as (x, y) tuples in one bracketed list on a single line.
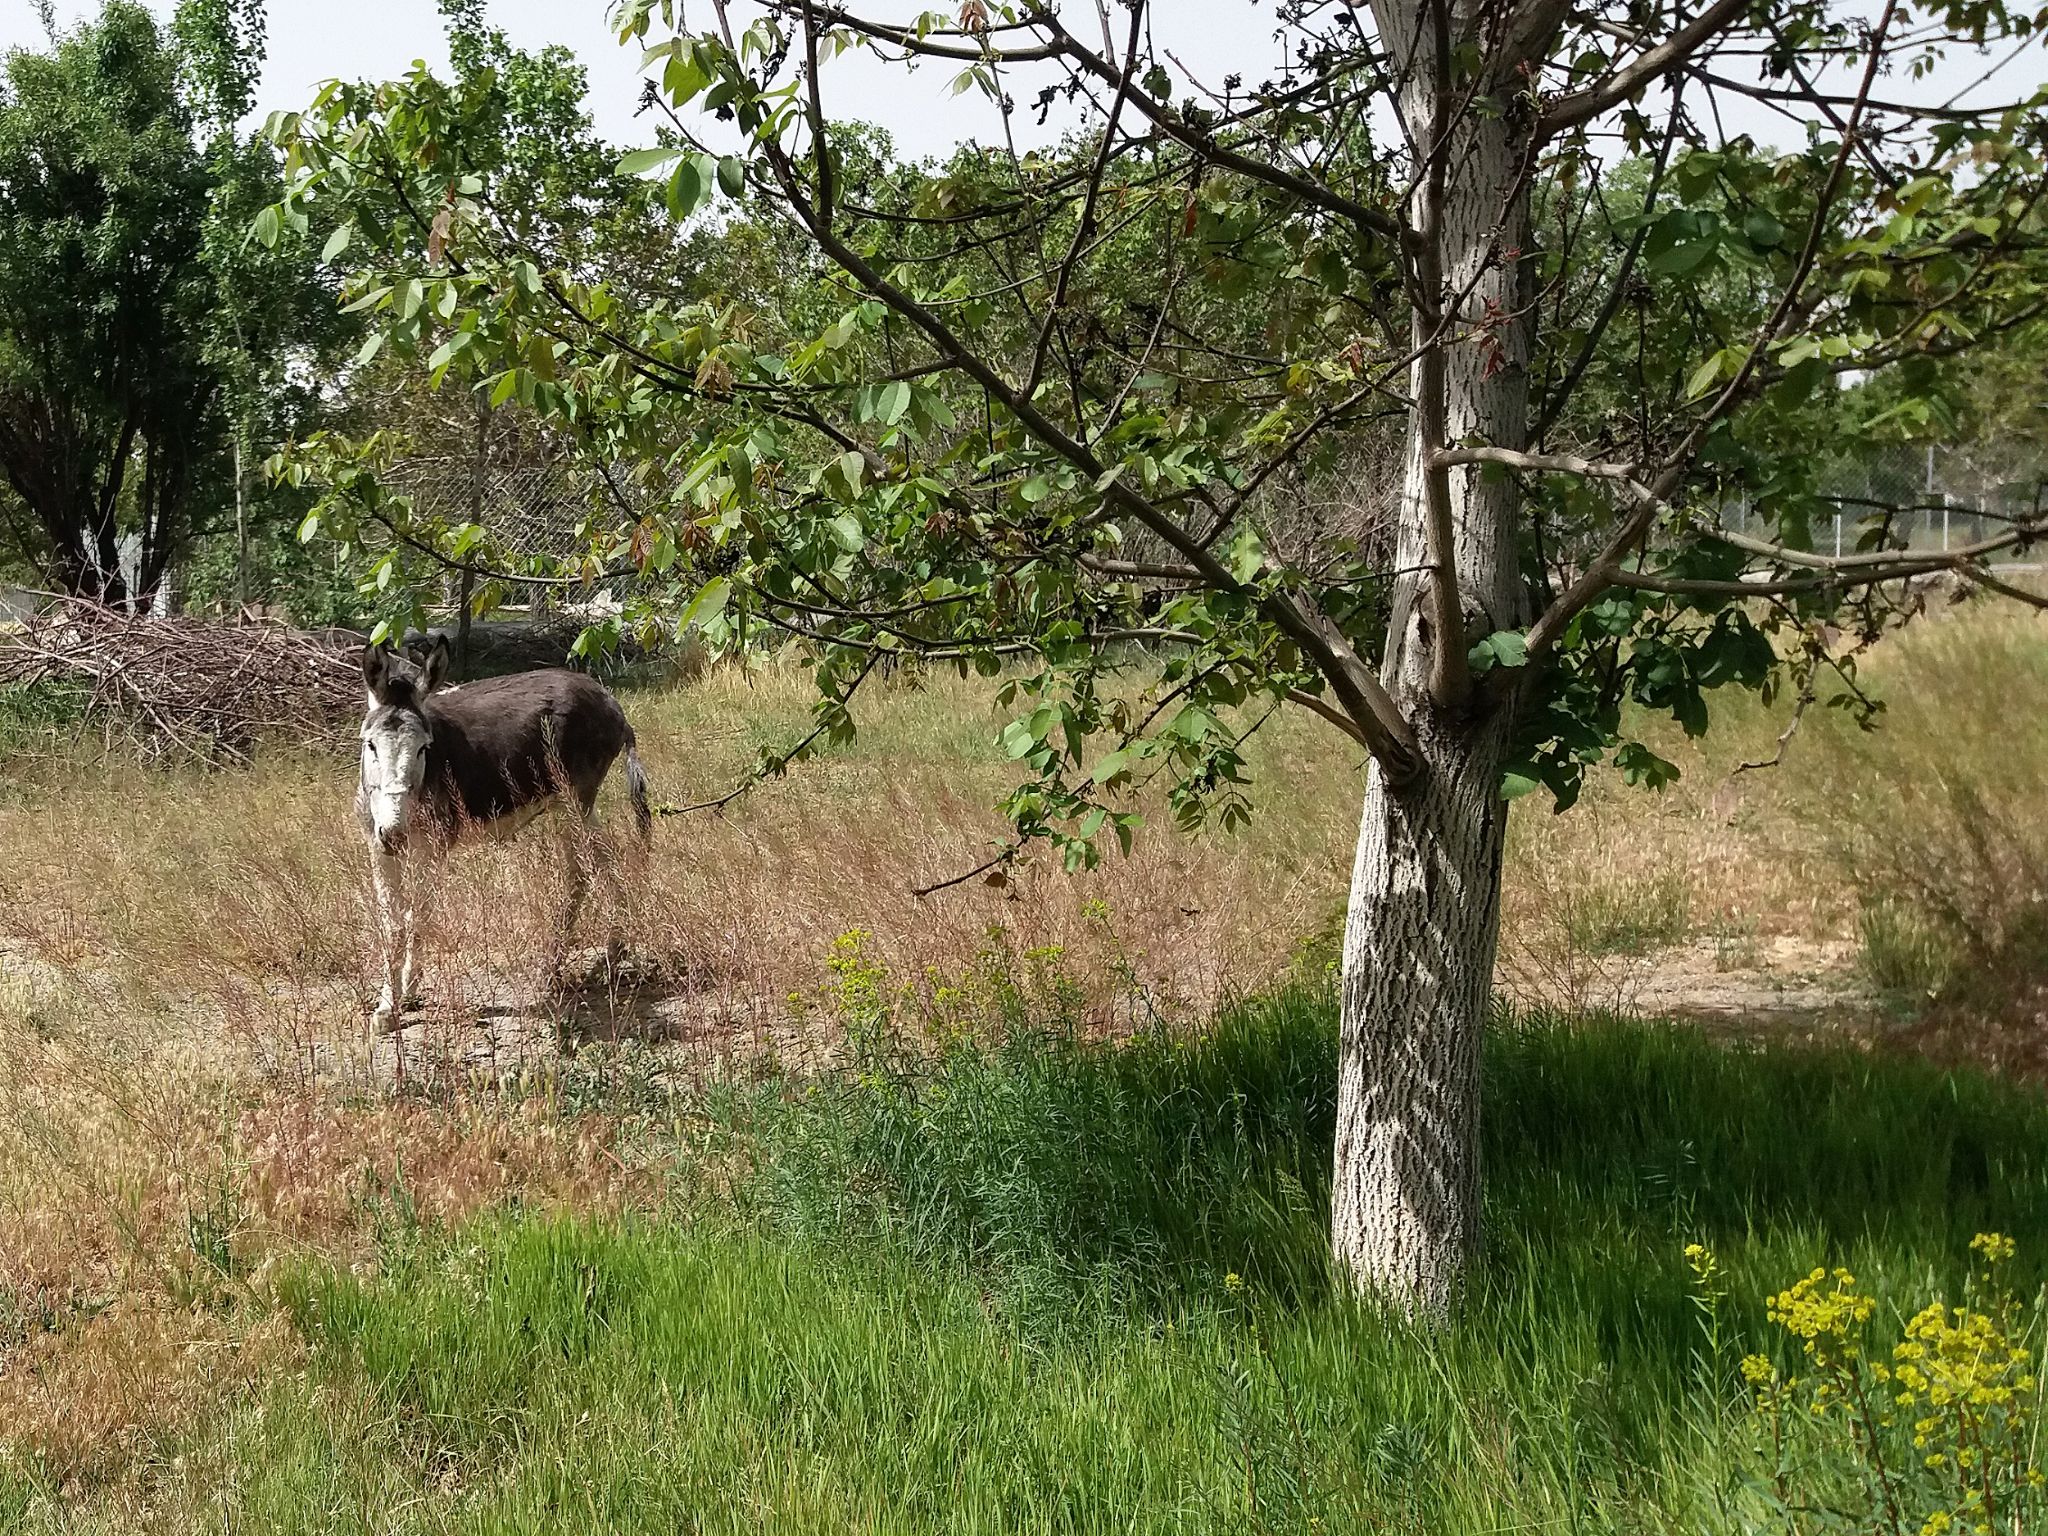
[(85, 563), (1417, 975), (1421, 932), (241, 532)]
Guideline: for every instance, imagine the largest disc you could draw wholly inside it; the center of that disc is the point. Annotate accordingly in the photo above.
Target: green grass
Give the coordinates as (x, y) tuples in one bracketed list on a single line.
[(994, 1291), (39, 717)]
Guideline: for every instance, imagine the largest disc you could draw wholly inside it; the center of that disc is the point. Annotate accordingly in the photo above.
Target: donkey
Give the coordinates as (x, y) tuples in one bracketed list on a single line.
[(442, 768)]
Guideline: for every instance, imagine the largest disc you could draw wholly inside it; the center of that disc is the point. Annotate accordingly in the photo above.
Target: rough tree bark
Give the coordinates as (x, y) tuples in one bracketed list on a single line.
[(1420, 935)]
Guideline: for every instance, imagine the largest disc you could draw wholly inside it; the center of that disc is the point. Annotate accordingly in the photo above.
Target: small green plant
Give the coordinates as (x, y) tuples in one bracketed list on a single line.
[(39, 716), (1630, 916), (1900, 952)]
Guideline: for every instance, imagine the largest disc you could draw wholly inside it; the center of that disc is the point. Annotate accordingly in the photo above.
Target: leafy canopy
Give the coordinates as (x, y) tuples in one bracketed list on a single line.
[(1076, 412)]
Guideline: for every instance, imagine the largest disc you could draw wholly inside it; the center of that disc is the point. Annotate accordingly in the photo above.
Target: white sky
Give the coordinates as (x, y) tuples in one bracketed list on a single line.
[(315, 40)]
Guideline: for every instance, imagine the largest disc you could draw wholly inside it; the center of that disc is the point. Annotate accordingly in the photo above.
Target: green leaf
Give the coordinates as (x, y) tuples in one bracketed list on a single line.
[(1110, 766), (1503, 648), (707, 605), (1703, 377), (688, 188), (337, 242), (640, 161), (1643, 768), (1247, 556), (847, 533), (1764, 232), (1521, 779), (732, 176), (266, 227), (1681, 259), (1017, 740), (845, 475), (371, 344)]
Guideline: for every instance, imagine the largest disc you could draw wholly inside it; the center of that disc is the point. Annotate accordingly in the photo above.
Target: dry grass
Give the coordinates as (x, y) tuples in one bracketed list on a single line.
[(185, 963), (242, 897)]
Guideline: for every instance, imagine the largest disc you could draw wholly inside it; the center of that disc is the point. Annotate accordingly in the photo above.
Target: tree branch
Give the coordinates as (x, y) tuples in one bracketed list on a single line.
[(1580, 107), (1360, 690)]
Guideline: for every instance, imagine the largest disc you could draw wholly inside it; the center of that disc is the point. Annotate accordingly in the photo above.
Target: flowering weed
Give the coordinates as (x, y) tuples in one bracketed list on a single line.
[(1938, 1434)]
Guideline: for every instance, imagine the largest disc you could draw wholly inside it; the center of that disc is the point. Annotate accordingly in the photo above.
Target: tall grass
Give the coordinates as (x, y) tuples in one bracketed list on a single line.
[(1058, 1285), (1007, 1243), (1934, 819)]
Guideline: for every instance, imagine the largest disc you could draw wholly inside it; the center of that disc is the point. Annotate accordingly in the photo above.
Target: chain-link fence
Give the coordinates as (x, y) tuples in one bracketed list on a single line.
[(537, 513), (1932, 497)]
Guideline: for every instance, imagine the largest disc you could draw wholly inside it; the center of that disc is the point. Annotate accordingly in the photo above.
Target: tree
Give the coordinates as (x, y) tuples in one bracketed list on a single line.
[(1046, 415), (143, 338), (101, 203)]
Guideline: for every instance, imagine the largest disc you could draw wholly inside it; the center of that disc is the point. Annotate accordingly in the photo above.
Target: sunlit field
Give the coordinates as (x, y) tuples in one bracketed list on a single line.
[(1002, 1207)]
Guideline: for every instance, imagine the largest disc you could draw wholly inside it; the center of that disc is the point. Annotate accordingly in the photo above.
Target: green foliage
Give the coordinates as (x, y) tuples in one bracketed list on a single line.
[(1937, 1435), (99, 180), (119, 396), (1902, 954), (310, 583), (1053, 1166), (39, 716), (859, 467)]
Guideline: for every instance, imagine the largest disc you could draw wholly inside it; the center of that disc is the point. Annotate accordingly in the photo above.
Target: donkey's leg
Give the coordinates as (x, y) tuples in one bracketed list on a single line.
[(604, 856), (575, 847), (388, 872), (423, 890)]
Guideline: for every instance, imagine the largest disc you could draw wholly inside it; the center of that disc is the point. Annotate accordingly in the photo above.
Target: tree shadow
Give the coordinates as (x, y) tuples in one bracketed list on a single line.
[(1166, 1163)]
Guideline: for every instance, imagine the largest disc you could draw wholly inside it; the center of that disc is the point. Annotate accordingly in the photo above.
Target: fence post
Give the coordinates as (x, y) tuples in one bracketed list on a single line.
[(466, 590), (1838, 535)]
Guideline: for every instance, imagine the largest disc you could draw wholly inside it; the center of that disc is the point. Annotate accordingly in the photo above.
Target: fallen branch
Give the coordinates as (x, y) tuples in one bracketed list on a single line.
[(186, 688)]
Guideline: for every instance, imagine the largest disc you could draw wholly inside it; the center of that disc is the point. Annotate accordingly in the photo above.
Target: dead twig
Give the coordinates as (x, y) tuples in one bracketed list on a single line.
[(185, 688)]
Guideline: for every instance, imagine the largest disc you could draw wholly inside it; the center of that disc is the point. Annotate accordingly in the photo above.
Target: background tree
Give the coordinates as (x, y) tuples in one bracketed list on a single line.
[(102, 298), (1036, 409), (144, 339)]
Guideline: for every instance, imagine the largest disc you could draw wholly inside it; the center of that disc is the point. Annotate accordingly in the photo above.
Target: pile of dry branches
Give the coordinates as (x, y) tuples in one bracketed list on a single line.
[(189, 688)]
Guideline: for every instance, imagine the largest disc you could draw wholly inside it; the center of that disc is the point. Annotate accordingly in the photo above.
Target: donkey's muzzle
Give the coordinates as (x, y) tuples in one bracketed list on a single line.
[(392, 841)]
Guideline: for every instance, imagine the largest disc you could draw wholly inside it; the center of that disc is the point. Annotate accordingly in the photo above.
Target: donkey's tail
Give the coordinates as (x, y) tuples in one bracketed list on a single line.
[(636, 789)]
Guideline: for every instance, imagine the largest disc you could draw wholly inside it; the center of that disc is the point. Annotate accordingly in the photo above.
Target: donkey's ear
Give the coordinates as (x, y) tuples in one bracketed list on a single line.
[(376, 669), (435, 669)]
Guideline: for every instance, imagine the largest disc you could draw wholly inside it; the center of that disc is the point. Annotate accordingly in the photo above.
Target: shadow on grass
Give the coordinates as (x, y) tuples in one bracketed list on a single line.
[(1165, 1163)]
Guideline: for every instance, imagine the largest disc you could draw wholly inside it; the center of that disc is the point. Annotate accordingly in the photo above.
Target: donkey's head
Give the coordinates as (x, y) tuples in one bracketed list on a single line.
[(396, 738)]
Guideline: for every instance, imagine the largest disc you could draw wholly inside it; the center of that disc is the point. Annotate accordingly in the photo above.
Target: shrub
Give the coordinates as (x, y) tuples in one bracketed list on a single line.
[(1937, 1434)]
